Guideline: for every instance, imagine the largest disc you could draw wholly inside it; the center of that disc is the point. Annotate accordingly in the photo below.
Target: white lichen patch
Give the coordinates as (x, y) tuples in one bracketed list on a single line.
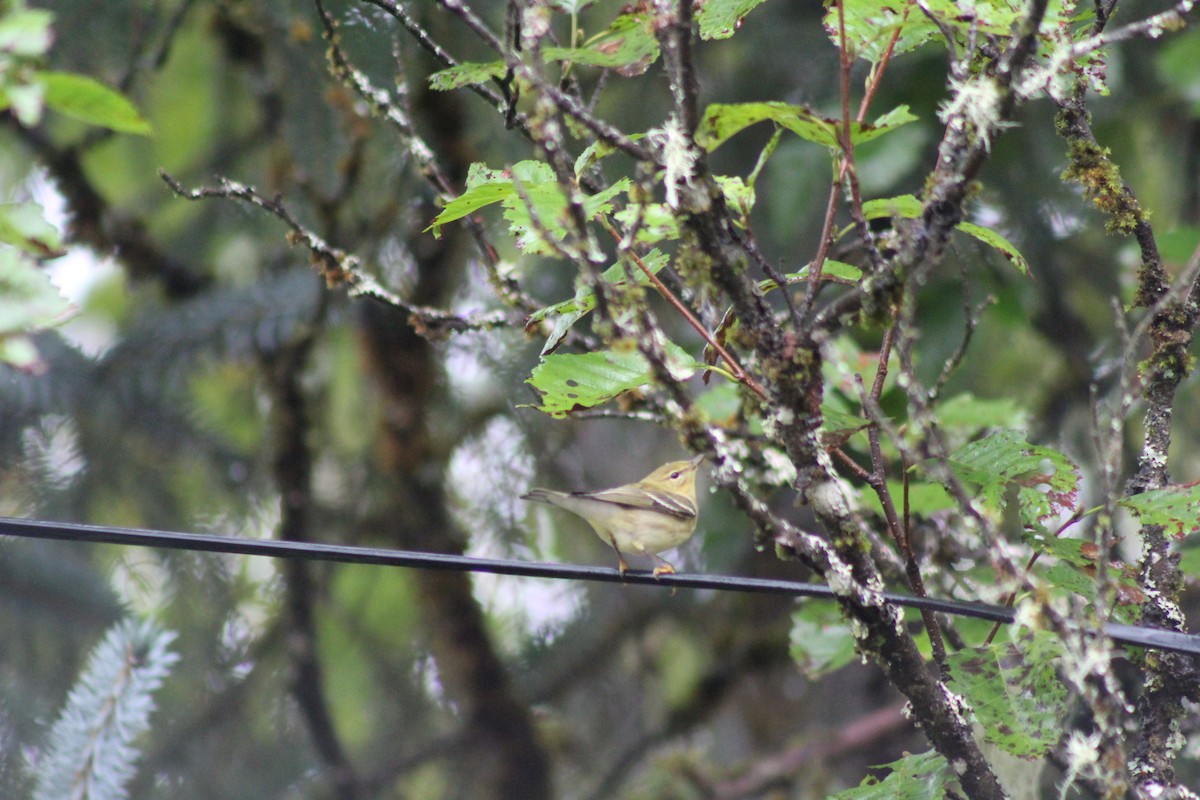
[(780, 471), (1093, 658), (975, 103), (679, 157)]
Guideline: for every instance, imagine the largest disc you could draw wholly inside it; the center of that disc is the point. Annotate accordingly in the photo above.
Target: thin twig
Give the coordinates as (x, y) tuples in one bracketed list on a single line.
[(338, 267)]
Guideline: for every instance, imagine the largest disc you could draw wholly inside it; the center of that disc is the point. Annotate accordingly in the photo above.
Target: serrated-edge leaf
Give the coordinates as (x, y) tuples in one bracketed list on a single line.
[(484, 187), (820, 641), (1015, 692), (1047, 481), (28, 300), (470, 201), (922, 776), (1176, 508), (718, 19), (549, 203), (90, 101), (24, 225)]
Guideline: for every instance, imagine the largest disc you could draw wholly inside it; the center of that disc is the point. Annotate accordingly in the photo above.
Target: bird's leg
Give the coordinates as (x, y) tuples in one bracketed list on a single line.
[(621, 565), (663, 568)]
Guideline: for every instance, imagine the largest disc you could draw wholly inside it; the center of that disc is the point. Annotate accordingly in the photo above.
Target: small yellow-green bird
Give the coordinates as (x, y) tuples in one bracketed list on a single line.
[(652, 515)]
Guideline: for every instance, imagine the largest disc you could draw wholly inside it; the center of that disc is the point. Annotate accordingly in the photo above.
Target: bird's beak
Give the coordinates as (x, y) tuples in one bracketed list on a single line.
[(695, 462)]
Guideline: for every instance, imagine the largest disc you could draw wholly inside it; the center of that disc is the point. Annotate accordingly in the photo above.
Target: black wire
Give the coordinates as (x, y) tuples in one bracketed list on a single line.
[(1135, 635)]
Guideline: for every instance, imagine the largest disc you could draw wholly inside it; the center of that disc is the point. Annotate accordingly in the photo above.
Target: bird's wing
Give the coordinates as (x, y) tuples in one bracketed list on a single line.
[(675, 505)]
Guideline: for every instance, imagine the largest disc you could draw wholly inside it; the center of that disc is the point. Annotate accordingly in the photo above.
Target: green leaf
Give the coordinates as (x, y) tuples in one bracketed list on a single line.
[(22, 225), (1047, 481), (997, 242), (484, 187), (973, 414), (598, 150), (907, 206), (738, 195), (1015, 691), (654, 221), (1064, 548), (568, 382), (870, 24), (718, 19), (629, 46), (89, 100), (920, 777), (924, 498), (550, 206), (529, 186), (721, 404), (821, 641), (1070, 580), (1176, 508), (466, 74), (28, 300), (722, 121), (830, 270), (834, 420), (571, 311)]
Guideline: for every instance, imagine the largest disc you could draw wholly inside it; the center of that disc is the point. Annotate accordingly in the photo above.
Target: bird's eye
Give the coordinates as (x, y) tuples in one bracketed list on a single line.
[(674, 476)]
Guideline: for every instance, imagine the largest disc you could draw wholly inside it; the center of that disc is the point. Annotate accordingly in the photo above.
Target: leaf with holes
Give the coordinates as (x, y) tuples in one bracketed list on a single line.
[(1176, 508), (1047, 481), (574, 382), (1015, 692)]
